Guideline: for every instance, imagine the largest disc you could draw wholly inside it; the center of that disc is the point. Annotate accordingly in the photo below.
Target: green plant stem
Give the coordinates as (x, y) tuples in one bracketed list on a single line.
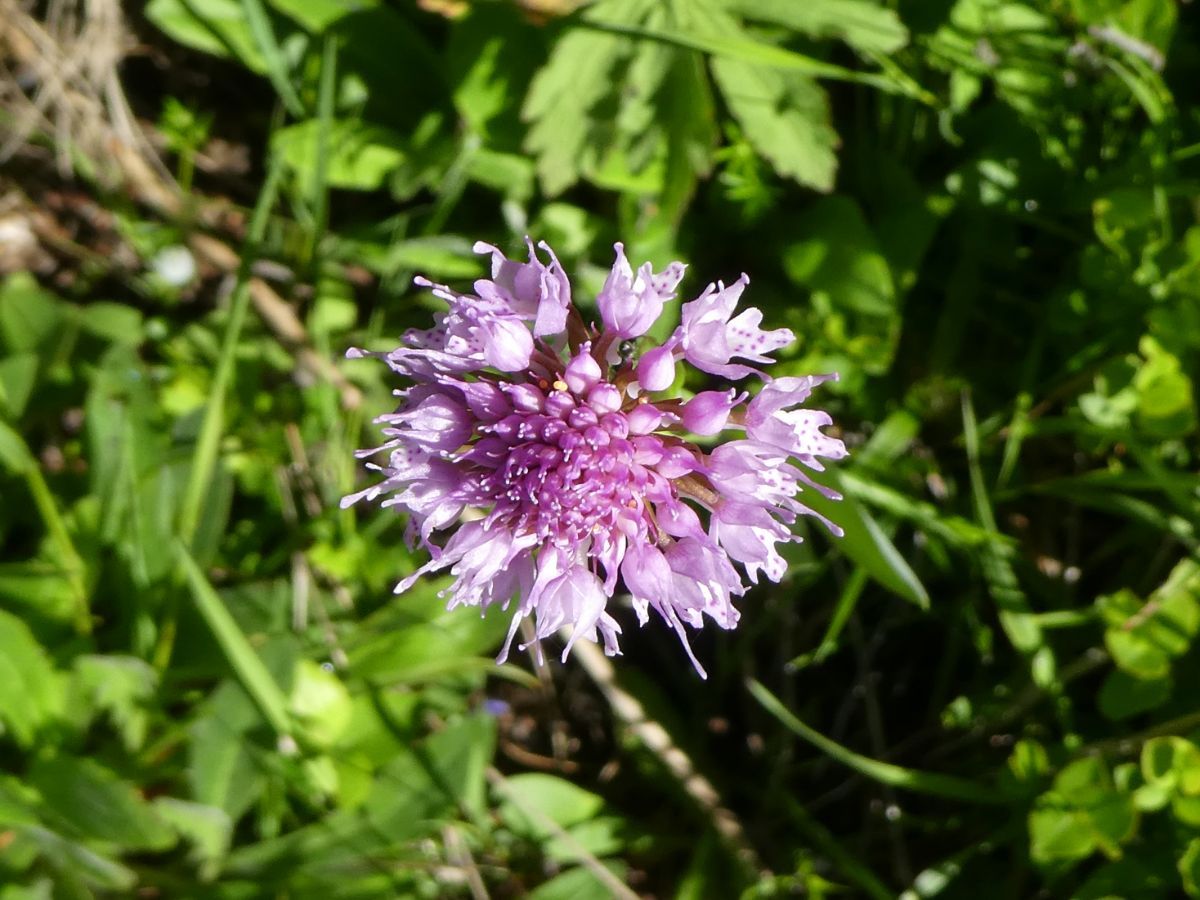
[(17, 453), (204, 459)]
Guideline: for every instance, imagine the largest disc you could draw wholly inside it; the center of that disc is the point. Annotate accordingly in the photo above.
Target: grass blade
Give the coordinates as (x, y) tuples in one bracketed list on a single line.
[(885, 773), (277, 69), (250, 670), (207, 444), (16, 453), (1016, 617)]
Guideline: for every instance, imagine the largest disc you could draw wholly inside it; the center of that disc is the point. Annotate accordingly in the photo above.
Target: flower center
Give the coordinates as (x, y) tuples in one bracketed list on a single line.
[(563, 467)]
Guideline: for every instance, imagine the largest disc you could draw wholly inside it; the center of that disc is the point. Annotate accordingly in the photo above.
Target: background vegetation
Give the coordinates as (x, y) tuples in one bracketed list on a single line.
[(982, 213)]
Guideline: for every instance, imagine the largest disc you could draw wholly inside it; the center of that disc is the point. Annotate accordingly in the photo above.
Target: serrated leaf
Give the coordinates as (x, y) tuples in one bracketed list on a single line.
[(577, 77), (864, 25), (31, 696), (785, 116), (121, 687)]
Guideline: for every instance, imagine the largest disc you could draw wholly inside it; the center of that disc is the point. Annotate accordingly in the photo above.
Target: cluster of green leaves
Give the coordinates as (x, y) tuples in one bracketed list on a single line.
[(979, 212)]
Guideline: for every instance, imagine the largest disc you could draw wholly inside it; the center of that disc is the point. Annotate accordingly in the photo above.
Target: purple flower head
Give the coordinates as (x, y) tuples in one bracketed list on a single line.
[(540, 463)]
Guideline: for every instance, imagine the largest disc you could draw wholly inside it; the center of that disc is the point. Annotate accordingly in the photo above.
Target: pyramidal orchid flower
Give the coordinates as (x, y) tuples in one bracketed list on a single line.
[(541, 460)]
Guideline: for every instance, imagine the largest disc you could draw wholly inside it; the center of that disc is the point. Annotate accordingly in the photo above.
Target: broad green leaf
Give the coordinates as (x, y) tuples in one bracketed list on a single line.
[(94, 802), (580, 883), (557, 800), (18, 373), (1082, 813), (77, 864), (320, 703), (360, 156), (222, 761), (1144, 638), (32, 693), (317, 15), (1166, 406), (785, 116), (1060, 834), (1122, 695), (866, 543), (29, 316), (218, 27), (839, 258), (865, 25), (245, 662), (114, 322)]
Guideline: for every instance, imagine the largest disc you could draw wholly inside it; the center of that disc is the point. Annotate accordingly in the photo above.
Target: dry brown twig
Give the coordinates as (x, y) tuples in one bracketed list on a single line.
[(629, 711)]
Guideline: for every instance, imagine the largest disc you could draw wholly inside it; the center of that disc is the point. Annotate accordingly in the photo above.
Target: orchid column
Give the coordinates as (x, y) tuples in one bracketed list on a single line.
[(577, 467)]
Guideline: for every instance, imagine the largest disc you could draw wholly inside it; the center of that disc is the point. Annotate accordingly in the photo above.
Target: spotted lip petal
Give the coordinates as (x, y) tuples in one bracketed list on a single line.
[(543, 470)]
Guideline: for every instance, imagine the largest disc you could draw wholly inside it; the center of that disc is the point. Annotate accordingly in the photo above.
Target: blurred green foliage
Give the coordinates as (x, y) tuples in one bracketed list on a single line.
[(982, 213)]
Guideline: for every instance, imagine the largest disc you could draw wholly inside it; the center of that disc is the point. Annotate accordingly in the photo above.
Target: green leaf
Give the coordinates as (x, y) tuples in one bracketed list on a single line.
[(251, 672), (1189, 868), (207, 828), (1166, 405), (29, 316), (317, 15), (114, 322), (1172, 762), (1122, 695), (122, 687), (360, 156), (218, 27), (785, 116), (579, 883), (78, 864), (558, 800), (32, 695), (94, 802), (1144, 638), (864, 25), (320, 702), (839, 259), (933, 783), (1060, 834), (222, 769), (18, 374), (1082, 813), (577, 77), (866, 543)]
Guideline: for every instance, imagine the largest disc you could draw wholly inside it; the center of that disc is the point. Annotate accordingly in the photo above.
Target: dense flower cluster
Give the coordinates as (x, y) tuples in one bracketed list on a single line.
[(548, 451)]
